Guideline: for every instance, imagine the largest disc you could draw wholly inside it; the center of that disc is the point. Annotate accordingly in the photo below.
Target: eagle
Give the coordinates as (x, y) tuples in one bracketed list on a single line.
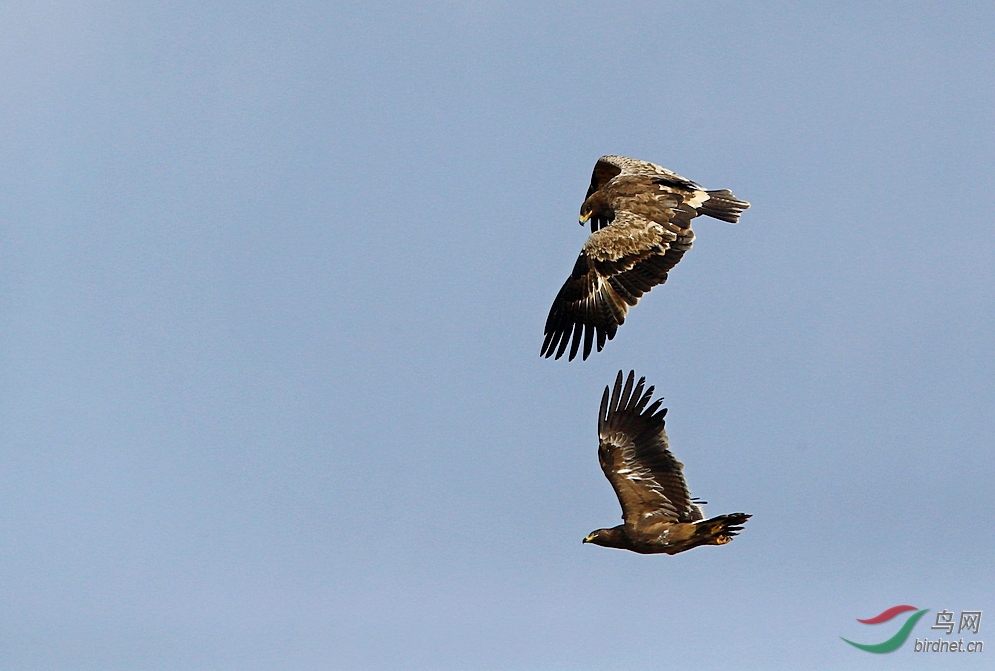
[(640, 215), (658, 512)]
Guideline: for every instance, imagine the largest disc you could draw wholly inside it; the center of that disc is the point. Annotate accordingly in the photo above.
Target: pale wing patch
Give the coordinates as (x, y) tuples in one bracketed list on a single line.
[(628, 235), (697, 199)]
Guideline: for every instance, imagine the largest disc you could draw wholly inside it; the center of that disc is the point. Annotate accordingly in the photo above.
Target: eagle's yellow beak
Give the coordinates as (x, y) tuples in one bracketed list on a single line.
[(584, 218), (588, 538)]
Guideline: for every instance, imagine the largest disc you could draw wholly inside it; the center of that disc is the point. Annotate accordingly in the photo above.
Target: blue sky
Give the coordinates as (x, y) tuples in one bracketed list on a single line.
[(274, 282)]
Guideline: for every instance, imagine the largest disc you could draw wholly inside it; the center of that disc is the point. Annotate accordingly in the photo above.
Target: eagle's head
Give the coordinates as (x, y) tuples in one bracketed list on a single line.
[(596, 207), (609, 538)]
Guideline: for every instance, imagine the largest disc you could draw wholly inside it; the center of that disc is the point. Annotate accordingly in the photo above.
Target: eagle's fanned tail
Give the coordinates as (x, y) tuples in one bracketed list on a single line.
[(722, 205), (719, 530)]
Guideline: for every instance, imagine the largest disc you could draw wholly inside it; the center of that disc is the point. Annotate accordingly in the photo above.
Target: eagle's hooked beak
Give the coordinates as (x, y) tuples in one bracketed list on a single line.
[(585, 217), (587, 539)]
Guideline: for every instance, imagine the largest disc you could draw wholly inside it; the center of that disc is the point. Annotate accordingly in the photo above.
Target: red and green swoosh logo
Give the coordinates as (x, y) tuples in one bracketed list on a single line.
[(896, 641)]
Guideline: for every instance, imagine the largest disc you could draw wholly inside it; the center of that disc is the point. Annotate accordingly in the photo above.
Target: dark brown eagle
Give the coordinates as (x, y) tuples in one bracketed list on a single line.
[(640, 216), (659, 514)]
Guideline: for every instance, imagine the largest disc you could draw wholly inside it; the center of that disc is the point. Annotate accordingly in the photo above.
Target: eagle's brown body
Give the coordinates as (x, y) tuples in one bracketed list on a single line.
[(658, 513), (673, 538), (640, 215)]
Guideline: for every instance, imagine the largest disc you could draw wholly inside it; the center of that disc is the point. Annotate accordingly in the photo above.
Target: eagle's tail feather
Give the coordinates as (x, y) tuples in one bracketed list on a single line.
[(720, 530), (721, 204)]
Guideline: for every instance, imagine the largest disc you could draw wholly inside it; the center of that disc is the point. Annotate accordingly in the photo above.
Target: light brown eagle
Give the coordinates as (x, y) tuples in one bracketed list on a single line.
[(640, 215), (659, 514)]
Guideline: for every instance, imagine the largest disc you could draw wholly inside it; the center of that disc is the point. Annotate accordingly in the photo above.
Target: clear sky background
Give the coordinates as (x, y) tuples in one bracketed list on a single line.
[(272, 291)]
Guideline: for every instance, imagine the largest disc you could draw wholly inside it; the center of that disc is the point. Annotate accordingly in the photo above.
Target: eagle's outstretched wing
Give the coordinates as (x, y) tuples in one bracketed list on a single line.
[(617, 265), (609, 167), (636, 458)]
